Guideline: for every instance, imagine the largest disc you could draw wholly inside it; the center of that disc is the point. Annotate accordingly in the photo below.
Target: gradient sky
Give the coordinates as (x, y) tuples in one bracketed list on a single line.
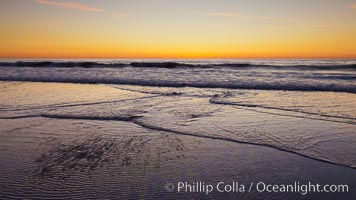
[(178, 29)]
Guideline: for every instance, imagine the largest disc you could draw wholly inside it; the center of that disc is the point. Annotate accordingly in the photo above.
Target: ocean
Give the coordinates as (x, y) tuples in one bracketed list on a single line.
[(294, 75)]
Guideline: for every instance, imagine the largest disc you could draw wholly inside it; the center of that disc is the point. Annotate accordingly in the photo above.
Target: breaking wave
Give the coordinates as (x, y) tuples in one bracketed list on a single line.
[(338, 76)]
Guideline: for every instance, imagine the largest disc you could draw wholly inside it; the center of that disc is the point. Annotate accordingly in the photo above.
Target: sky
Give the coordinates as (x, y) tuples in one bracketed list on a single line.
[(177, 29)]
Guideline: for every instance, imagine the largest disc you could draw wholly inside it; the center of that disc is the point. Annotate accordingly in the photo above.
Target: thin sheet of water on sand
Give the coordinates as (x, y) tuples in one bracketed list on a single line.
[(65, 140)]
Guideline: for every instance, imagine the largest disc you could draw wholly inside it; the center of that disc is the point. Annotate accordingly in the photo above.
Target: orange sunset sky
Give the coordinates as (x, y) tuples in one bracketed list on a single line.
[(178, 29)]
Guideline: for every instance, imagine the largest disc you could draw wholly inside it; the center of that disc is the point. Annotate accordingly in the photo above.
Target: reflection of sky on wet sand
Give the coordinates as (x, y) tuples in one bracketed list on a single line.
[(42, 95)]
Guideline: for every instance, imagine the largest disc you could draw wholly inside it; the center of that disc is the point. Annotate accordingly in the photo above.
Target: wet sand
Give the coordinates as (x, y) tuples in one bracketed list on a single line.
[(95, 141)]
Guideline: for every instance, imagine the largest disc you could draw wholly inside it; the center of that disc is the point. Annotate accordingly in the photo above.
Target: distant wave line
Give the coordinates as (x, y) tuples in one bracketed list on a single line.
[(172, 65)]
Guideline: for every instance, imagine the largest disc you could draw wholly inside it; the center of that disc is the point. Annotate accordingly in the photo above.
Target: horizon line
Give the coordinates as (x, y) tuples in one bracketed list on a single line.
[(282, 58)]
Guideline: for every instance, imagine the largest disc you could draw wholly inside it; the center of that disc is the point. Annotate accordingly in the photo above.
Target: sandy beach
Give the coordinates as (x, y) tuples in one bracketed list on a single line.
[(61, 140)]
